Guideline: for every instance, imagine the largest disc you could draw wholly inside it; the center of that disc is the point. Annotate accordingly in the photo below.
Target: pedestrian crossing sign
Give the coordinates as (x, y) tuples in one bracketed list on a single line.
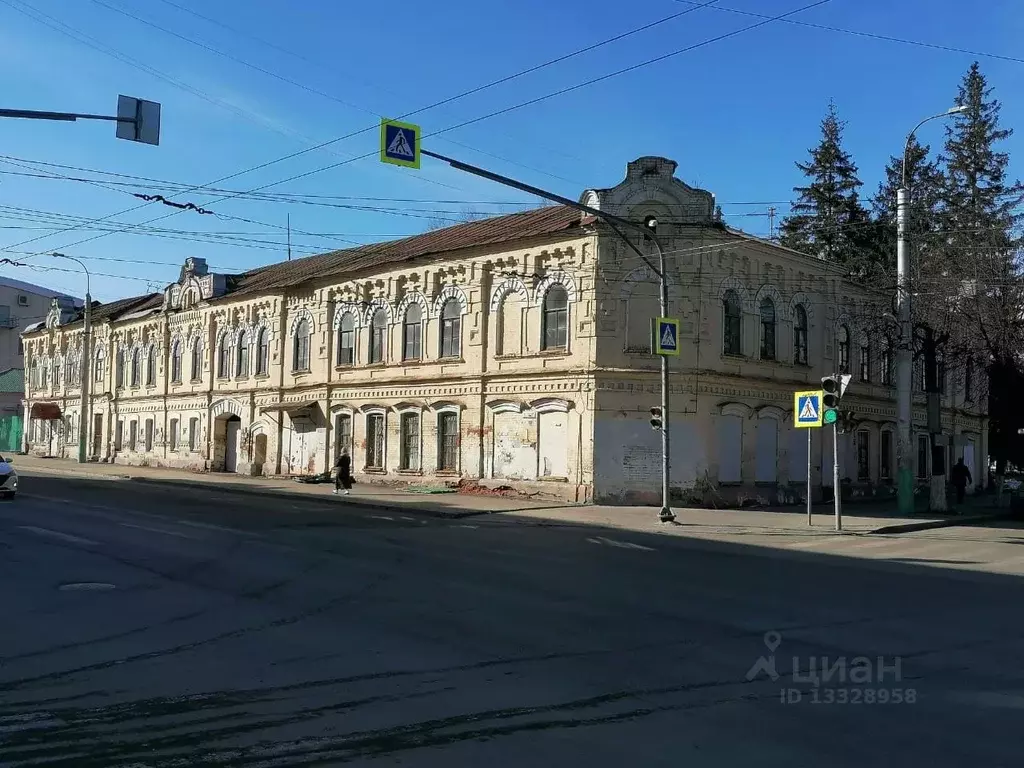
[(666, 336), (400, 143), (807, 409)]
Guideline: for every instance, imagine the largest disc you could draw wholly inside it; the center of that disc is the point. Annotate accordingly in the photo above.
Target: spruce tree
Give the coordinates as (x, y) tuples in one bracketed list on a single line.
[(828, 220), (980, 220)]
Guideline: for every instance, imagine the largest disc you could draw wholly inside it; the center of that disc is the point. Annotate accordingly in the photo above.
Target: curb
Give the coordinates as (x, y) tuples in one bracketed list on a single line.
[(950, 523)]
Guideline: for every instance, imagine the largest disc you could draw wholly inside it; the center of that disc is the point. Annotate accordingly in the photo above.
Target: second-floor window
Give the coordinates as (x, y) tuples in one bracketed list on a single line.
[(451, 329), (100, 365), (843, 349), (555, 320), (412, 333), (378, 333), (732, 327), (300, 346), (197, 360), (767, 329), (800, 335), (262, 352), (886, 360), (151, 367), (223, 357), (346, 354), (176, 361), (865, 360), (119, 369), (136, 367), (242, 356), (969, 381)]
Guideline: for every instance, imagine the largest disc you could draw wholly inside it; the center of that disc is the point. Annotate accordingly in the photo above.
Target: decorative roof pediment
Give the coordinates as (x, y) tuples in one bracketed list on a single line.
[(195, 284)]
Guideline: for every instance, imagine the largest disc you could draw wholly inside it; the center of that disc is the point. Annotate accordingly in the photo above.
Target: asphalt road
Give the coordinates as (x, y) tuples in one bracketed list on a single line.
[(144, 626)]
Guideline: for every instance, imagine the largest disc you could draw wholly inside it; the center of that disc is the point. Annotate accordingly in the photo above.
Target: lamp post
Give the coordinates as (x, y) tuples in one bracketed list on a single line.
[(83, 411), (904, 352)]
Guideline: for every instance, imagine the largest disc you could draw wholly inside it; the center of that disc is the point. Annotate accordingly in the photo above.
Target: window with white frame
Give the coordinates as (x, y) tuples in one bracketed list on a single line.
[(412, 333), (100, 365), (555, 318), (262, 352), (223, 357), (375, 441), (242, 355), (300, 346), (378, 336), (409, 447), (346, 354), (451, 328)]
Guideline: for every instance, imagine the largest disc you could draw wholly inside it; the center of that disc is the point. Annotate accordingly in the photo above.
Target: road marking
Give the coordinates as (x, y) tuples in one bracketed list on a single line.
[(817, 543), (409, 519), (382, 517), (620, 544), (212, 527), (57, 535), (473, 527), (160, 530)]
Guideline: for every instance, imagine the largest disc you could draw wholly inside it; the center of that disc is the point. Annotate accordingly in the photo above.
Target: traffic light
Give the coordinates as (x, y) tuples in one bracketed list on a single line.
[(833, 388), (656, 423)]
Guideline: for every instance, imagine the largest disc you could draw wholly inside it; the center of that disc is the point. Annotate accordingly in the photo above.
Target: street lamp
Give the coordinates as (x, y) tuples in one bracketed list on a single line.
[(83, 415), (904, 356)]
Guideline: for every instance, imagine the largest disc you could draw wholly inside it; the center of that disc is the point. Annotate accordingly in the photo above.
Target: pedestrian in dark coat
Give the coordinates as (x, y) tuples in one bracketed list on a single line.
[(961, 479), (343, 473)]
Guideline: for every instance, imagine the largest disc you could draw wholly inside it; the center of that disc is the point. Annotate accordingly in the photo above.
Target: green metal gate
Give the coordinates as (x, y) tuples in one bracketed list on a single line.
[(10, 434)]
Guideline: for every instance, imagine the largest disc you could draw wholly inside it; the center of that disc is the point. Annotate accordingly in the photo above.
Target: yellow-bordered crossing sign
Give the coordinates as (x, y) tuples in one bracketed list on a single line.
[(807, 408)]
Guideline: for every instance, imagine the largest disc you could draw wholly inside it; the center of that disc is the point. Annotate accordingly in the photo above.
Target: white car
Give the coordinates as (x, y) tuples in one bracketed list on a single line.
[(8, 479)]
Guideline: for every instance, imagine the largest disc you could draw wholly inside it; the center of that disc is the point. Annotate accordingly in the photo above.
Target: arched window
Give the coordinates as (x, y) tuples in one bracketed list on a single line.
[(56, 373), (151, 367), (412, 333), (242, 355), (100, 364), (223, 357), (346, 354), (969, 381), (767, 329), (197, 360), (176, 361), (378, 333), (70, 370), (262, 352), (300, 346), (732, 325), (136, 367), (886, 361), (555, 318), (451, 329), (843, 356), (119, 372), (865, 359), (800, 335)]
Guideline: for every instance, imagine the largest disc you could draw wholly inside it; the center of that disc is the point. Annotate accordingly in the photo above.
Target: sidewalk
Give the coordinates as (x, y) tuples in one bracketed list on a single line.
[(862, 518)]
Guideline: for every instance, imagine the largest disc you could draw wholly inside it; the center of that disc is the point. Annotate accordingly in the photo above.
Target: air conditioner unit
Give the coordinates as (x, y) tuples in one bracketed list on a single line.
[(22, 300)]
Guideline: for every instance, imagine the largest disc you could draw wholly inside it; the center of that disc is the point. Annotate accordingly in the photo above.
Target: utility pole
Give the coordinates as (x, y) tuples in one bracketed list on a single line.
[(289, 221), (83, 406), (904, 350), (771, 222)]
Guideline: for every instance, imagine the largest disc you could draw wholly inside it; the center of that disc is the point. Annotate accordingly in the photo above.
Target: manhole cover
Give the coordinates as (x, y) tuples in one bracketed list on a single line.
[(86, 586)]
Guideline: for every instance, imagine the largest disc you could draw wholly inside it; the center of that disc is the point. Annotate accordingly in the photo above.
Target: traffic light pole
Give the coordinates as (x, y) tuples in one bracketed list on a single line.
[(836, 490), (810, 518), (614, 223)]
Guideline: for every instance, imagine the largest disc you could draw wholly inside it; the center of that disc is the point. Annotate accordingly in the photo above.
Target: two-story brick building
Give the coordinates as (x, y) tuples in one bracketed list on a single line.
[(514, 349)]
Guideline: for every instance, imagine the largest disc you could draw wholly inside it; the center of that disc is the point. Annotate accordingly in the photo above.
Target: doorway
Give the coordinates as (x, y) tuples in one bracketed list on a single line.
[(232, 427)]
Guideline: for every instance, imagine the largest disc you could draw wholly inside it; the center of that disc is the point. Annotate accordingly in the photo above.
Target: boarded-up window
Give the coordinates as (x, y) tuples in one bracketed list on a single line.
[(730, 446), (510, 325), (514, 450), (553, 443), (767, 451), (641, 309)]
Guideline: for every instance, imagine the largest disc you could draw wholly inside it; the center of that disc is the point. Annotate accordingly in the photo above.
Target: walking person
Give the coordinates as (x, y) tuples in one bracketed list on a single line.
[(343, 473), (961, 478)]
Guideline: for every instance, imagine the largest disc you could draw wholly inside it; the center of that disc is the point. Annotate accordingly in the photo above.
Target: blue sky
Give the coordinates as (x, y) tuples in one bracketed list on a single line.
[(734, 114)]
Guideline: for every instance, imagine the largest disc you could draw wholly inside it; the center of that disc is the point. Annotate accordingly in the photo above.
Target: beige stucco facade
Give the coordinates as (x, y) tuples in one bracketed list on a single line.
[(532, 368)]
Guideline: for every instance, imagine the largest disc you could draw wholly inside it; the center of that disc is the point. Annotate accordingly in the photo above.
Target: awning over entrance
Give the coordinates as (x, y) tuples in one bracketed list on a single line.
[(304, 405), (45, 411)]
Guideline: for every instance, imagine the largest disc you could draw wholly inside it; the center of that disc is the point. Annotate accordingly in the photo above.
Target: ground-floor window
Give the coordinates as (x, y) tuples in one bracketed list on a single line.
[(922, 456), (343, 433), (193, 434), (119, 435), (409, 450), (149, 435), (885, 451), (375, 441), (863, 456), (133, 434), (448, 442), (174, 434)]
